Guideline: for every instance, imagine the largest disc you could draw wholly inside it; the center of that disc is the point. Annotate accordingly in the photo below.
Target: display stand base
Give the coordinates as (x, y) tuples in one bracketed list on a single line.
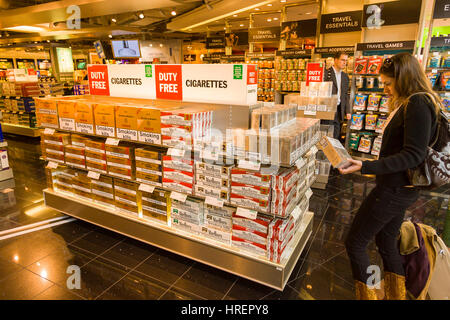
[(215, 254)]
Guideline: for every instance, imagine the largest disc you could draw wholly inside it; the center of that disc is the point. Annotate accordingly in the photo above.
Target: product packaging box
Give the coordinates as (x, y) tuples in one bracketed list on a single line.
[(179, 186), (178, 163), (78, 140), (103, 190), (334, 151), (250, 235), (104, 119), (260, 224), (120, 160), (156, 205), (46, 113), (250, 177), (126, 122), (127, 196), (246, 190), (213, 170), (248, 246), (208, 191), (186, 226), (178, 175), (84, 117), (216, 234), (251, 203), (149, 125), (81, 185), (66, 114)]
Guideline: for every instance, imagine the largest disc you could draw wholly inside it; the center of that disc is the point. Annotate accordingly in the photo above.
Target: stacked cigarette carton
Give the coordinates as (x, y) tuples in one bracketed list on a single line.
[(156, 205), (149, 166), (178, 174), (213, 180), (187, 216)]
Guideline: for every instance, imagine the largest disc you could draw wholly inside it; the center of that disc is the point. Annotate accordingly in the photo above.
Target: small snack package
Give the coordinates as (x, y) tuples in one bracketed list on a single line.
[(374, 65), (380, 124), (360, 102), (373, 102), (365, 143), (361, 65), (371, 121), (445, 80), (357, 121), (354, 141), (384, 104), (376, 146)]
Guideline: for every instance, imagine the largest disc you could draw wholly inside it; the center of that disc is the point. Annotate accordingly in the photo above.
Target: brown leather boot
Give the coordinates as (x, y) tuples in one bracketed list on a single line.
[(394, 286), (363, 292)]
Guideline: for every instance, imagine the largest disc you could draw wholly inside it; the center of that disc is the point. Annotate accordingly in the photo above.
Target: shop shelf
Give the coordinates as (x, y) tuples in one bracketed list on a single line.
[(20, 130), (6, 174), (215, 254)]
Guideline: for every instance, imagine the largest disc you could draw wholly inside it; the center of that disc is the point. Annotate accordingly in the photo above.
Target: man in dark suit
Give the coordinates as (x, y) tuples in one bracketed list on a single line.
[(340, 88)]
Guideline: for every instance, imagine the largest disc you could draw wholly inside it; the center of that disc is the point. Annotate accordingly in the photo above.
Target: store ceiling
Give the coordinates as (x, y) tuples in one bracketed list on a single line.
[(47, 20)]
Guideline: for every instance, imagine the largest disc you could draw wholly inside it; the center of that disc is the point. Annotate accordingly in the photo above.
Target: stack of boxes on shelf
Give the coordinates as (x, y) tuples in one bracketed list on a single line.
[(49, 86), (212, 191)]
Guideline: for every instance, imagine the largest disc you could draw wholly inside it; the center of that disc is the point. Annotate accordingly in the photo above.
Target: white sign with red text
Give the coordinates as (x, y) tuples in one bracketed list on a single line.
[(218, 83)]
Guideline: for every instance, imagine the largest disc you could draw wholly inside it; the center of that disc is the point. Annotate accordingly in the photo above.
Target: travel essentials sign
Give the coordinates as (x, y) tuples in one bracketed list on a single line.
[(341, 22), (222, 83), (270, 34)]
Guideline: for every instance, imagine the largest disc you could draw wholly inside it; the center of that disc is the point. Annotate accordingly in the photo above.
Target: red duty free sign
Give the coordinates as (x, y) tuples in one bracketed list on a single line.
[(169, 84), (314, 72), (98, 80)]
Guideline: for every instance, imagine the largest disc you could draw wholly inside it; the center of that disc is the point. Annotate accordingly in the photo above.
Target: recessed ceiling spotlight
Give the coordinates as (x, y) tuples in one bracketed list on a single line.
[(257, 9), (275, 19), (161, 45), (48, 40), (308, 13), (282, 1), (114, 20), (173, 12), (269, 20), (269, 5), (235, 15), (110, 35), (141, 15), (241, 25)]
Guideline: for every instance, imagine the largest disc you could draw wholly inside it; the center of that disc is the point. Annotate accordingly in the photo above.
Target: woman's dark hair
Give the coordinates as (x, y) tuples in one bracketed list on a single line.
[(409, 78)]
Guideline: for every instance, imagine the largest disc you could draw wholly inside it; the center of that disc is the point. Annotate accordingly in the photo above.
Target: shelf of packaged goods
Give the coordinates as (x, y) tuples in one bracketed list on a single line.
[(20, 130), (370, 111), (312, 143), (215, 254), (19, 112), (311, 179), (6, 174), (379, 91), (438, 68)]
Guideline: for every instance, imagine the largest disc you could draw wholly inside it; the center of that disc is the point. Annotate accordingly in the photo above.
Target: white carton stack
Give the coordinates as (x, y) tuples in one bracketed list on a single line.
[(178, 174), (212, 180), (188, 215), (251, 234), (218, 223)]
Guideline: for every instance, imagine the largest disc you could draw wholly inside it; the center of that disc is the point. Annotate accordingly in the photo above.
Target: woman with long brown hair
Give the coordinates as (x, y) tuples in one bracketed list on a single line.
[(407, 133)]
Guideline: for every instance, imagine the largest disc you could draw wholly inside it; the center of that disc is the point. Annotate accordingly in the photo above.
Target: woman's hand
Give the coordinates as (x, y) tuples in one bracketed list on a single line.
[(353, 166)]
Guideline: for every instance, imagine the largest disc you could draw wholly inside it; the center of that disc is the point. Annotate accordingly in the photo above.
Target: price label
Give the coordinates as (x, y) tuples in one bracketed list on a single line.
[(93, 175), (178, 196), (310, 112), (112, 141), (246, 213), (249, 165), (214, 202), (146, 188), (52, 165), (308, 193), (296, 213), (300, 163), (49, 131), (176, 152)]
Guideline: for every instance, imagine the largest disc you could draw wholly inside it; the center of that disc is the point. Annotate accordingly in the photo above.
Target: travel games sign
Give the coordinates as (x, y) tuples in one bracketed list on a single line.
[(222, 83)]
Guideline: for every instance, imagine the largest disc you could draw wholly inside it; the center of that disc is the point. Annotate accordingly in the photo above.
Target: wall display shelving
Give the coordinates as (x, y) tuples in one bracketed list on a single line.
[(370, 108), (266, 74)]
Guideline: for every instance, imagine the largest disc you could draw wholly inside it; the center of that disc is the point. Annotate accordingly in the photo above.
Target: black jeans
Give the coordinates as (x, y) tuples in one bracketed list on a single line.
[(380, 216)]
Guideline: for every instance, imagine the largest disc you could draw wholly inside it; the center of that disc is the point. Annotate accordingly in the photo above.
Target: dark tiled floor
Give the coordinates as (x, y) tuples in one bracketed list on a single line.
[(35, 265)]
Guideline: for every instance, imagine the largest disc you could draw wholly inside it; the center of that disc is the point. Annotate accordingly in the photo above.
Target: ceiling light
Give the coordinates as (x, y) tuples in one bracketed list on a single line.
[(48, 40), (161, 45), (308, 13), (275, 19), (151, 45), (241, 25), (269, 5), (114, 20), (256, 9), (235, 15), (110, 35), (174, 13), (269, 20), (141, 15), (282, 1), (26, 29)]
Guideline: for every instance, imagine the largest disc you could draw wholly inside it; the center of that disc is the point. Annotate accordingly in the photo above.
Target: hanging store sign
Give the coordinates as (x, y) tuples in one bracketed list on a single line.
[(215, 43), (391, 13), (442, 9), (440, 41), (254, 55), (314, 72), (234, 84), (393, 45), (294, 52), (235, 39), (293, 30), (261, 35), (341, 22), (325, 50)]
